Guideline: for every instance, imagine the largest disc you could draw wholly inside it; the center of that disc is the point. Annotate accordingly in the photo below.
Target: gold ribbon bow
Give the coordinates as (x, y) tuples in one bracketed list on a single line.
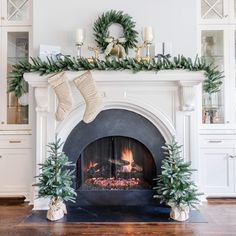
[(115, 47)]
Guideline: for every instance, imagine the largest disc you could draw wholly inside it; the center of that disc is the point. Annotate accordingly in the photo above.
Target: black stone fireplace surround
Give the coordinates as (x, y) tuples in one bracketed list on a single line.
[(121, 125)]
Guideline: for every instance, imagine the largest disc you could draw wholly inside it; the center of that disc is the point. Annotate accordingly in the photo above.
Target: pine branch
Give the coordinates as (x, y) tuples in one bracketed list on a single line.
[(17, 84)]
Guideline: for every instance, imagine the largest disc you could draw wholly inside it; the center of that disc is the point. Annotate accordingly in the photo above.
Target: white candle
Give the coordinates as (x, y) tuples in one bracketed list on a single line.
[(79, 36), (148, 34)]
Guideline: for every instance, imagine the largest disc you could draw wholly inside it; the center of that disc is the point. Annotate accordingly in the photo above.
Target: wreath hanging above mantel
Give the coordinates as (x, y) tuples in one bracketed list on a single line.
[(101, 30)]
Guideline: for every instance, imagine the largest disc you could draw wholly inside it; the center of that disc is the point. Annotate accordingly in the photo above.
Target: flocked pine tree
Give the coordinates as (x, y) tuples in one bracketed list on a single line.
[(55, 180), (175, 186)]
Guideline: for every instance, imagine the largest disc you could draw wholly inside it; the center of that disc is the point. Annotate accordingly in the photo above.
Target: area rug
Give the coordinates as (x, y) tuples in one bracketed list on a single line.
[(114, 214)]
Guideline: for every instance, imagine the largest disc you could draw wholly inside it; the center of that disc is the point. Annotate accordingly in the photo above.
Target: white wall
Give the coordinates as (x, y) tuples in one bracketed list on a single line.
[(174, 21)]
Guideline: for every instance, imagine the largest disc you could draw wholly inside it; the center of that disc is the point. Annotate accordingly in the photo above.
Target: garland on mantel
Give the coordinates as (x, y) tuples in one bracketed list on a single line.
[(17, 84)]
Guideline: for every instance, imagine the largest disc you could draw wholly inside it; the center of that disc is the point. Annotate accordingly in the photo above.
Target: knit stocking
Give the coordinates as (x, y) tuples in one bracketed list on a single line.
[(87, 86), (61, 86)]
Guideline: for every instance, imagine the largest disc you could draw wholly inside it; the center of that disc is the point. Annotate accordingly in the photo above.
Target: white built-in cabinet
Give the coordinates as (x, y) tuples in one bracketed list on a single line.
[(15, 113), (218, 163), (217, 44)]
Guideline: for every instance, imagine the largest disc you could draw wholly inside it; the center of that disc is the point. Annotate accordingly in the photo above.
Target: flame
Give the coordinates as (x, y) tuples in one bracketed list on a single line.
[(92, 164), (127, 155)]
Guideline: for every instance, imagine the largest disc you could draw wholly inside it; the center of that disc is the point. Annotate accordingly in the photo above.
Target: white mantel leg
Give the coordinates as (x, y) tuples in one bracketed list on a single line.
[(45, 132)]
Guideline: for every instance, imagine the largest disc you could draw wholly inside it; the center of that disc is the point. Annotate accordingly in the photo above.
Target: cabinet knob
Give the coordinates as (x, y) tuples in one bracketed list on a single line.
[(2, 18), (0, 156), (2, 122)]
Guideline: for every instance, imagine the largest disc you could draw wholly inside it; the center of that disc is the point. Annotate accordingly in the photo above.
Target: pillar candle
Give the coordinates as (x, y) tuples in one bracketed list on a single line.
[(148, 34), (79, 36)]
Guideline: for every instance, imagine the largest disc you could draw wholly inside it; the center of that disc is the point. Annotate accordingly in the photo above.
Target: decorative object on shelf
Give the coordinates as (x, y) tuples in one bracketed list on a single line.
[(147, 35), (174, 185), (55, 181), (138, 52), (211, 108), (109, 44), (96, 52), (163, 52), (61, 86), (24, 99), (87, 87), (80, 36), (16, 81), (115, 47), (50, 51)]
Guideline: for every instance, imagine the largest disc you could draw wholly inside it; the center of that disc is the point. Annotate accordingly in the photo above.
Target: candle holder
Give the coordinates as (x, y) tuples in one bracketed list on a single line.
[(79, 50), (147, 46), (147, 36)]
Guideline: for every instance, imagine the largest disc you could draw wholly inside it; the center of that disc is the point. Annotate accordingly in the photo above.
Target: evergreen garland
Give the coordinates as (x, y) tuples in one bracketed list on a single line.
[(55, 179), (174, 185), (104, 21), (17, 84)]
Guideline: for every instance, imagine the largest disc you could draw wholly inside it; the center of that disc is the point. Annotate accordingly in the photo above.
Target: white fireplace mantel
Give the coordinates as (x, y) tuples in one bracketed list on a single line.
[(184, 79), (170, 99)]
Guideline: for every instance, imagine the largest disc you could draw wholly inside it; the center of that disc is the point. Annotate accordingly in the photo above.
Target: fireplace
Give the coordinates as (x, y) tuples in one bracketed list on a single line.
[(117, 156), (144, 109)]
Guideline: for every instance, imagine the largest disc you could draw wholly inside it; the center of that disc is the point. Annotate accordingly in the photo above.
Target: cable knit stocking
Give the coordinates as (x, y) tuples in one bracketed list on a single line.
[(61, 86), (87, 86)]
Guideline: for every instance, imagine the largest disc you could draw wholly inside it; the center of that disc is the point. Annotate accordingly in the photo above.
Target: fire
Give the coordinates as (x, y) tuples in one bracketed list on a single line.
[(127, 155), (92, 164)]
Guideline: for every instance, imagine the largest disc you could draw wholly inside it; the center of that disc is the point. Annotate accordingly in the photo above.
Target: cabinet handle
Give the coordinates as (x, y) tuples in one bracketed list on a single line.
[(0, 156), (2, 18), (14, 141), (215, 141)]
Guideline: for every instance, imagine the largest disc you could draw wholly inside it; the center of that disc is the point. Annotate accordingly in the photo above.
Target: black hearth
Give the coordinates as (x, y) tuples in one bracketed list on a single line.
[(116, 156)]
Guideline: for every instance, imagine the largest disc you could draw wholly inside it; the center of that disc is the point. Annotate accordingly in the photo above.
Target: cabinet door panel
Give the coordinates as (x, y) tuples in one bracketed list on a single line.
[(212, 9), (15, 48), (218, 175), (16, 12), (15, 171), (213, 52)]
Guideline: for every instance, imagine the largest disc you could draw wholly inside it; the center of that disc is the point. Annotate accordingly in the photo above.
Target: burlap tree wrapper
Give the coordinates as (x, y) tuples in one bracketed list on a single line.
[(87, 86), (61, 86)]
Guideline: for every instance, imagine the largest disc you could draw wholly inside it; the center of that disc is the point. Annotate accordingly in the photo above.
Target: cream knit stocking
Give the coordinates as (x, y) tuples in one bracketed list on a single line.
[(87, 86), (61, 86)]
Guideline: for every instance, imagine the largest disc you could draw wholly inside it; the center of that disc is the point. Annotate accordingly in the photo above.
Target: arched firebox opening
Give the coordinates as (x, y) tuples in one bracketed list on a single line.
[(116, 156), (115, 163)]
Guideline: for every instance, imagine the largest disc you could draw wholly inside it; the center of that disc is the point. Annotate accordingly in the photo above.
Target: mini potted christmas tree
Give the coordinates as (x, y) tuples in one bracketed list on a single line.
[(174, 186), (55, 181)]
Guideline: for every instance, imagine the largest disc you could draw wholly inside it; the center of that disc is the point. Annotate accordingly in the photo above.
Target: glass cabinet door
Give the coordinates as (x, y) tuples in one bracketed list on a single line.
[(16, 12), (15, 48), (212, 9), (213, 52)]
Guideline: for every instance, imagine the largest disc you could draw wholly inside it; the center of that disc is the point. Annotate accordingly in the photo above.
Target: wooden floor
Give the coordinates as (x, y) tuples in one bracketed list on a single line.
[(221, 216)]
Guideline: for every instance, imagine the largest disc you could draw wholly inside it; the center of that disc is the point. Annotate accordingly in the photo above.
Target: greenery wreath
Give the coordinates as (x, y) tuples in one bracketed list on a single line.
[(103, 23)]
